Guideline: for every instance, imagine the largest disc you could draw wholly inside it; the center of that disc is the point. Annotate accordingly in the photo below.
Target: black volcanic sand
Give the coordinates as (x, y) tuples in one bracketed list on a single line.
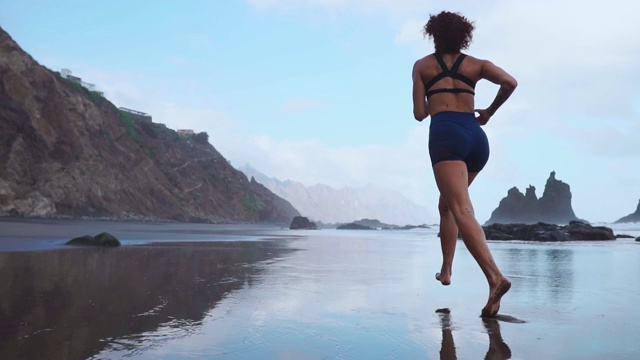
[(198, 291), (68, 303), (28, 234)]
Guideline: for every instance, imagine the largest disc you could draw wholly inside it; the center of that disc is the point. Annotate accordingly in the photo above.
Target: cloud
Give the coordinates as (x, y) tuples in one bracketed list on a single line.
[(404, 168), (301, 105), (572, 59), (411, 32), (605, 140), (121, 88)]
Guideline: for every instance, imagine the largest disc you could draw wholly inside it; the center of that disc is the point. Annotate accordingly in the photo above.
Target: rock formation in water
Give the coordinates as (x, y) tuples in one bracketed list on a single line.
[(354, 226), (66, 151), (302, 223), (576, 230), (553, 207), (633, 217)]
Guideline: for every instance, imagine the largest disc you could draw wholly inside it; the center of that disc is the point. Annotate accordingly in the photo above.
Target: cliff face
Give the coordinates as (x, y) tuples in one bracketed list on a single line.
[(553, 207), (633, 217), (66, 151)]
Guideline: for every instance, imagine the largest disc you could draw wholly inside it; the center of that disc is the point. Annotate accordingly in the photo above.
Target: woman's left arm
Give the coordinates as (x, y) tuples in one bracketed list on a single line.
[(420, 105)]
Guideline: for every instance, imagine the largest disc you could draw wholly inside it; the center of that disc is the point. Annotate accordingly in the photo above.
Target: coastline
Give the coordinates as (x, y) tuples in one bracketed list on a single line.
[(37, 234), (44, 233), (178, 291)]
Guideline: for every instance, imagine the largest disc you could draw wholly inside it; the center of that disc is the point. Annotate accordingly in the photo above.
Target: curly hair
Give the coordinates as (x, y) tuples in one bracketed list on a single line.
[(451, 32)]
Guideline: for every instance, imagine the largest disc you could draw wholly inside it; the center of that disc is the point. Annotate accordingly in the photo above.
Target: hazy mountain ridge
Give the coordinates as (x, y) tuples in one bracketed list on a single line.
[(328, 205)]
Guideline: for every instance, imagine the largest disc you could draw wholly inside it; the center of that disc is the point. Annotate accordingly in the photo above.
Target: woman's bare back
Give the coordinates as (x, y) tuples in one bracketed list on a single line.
[(472, 68)]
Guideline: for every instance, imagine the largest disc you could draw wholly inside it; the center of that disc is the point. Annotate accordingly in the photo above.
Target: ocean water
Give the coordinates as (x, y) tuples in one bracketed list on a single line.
[(268, 293)]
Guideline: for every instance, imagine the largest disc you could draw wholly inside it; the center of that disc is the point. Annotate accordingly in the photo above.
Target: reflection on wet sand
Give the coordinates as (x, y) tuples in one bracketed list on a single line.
[(498, 349), (75, 303), (448, 348), (550, 270)]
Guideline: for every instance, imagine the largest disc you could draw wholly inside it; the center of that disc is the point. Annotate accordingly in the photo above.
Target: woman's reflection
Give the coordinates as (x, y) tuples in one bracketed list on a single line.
[(498, 349)]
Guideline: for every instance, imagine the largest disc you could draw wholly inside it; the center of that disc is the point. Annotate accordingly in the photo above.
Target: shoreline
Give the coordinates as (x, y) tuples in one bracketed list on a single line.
[(42, 234), (5, 217)]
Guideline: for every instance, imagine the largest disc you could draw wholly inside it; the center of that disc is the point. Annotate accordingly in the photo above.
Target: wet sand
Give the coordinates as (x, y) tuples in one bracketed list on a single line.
[(29, 234), (181, 291)]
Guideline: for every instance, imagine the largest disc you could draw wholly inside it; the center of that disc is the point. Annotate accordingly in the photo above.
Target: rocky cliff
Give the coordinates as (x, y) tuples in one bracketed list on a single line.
[(68, 152), (553, 207), (633, 217)]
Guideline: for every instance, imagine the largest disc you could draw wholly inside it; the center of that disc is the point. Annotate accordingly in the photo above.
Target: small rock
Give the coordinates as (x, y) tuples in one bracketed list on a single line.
[(623, 236), (354, 226), (102, 239)]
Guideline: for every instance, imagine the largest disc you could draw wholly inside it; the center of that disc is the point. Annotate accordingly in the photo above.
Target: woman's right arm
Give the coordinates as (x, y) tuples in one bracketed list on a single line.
[(507, 84), (420, 105)]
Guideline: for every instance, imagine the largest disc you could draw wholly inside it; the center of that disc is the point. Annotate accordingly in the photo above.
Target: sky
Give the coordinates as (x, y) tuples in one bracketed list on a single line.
[(319, 91)]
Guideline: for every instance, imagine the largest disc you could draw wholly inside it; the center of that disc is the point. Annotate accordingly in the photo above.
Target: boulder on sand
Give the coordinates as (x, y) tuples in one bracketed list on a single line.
[(103, 239)]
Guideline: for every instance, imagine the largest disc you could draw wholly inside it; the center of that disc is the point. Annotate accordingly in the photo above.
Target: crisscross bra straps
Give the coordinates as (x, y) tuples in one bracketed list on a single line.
[(452, 73)]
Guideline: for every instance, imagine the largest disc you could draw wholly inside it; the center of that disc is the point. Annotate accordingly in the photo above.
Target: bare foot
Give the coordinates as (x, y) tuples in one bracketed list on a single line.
[(444, 279), (495, 295)]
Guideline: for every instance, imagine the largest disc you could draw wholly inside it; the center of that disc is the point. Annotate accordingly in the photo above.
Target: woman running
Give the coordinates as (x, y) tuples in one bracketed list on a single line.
[(443, 87)]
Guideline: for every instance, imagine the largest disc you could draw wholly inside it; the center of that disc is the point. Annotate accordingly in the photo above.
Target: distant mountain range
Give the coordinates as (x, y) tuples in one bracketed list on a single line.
[(328, 205)]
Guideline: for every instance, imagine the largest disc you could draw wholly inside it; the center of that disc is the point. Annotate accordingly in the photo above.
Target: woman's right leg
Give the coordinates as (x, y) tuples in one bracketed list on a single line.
[(452, 179), (448, 237)]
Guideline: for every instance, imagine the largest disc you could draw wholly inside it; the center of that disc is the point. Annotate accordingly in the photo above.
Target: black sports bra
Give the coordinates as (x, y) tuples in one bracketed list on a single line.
[(452, 73)]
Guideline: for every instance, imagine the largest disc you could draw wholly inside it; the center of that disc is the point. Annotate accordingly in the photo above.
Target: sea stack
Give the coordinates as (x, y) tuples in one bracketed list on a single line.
[(553, 207)]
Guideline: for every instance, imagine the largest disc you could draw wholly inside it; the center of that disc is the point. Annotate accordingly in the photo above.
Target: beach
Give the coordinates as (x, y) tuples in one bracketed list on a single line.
[(199, 291)]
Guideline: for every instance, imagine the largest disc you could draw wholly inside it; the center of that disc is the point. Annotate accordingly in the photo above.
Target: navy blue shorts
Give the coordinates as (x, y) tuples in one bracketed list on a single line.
[(457, 136)]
